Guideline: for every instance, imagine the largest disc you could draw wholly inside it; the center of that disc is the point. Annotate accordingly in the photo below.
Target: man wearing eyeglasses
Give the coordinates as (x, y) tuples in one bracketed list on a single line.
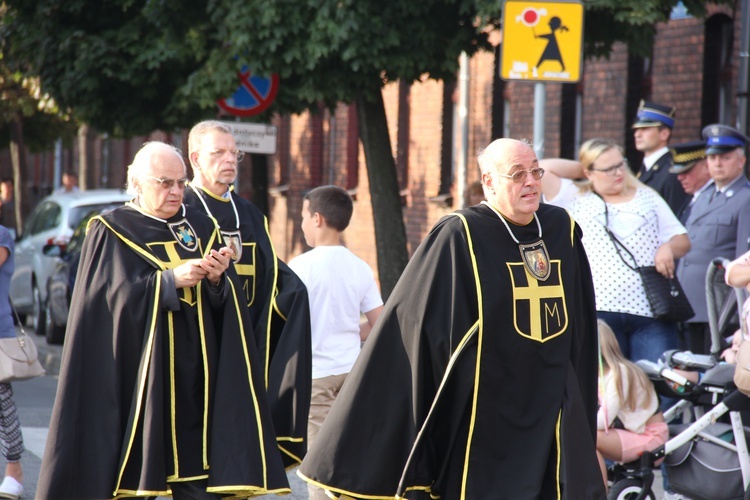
[(479, 379), (275, 297), (652, 130), (159, 392)]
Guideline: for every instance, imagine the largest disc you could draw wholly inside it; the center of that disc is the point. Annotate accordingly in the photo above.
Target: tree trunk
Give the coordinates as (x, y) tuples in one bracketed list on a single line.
[(390, 233), (20, 172), (85, 158), (260, 181)]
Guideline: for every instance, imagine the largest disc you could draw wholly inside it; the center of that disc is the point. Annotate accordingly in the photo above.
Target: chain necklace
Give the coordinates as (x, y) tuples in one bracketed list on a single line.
[(208, 211), (534, 255), (233, 239)]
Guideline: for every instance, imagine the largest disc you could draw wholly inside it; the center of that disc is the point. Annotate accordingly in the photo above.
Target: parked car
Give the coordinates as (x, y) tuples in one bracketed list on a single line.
[(51, 223), (62, 280)]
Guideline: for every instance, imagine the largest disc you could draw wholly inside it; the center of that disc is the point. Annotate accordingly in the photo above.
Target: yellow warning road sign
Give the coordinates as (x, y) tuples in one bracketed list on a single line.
[(542, 41)]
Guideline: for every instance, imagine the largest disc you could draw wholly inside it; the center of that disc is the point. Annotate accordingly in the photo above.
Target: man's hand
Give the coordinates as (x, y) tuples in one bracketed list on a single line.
[(215, 263), (189, 273)]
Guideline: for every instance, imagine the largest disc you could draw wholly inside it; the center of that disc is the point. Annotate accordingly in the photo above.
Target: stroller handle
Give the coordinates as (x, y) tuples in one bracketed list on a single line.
[(716, 265)]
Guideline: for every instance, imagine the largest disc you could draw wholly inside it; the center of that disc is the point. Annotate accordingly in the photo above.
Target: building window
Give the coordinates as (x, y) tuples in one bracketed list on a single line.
[(402, 137), (352, 148), (446, 139), (570, 127), (498, 100), (716, 104)]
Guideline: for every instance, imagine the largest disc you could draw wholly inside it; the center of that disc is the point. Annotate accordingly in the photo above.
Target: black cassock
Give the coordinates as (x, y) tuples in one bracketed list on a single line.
[(279, 310), (157, 387), (479, 381)]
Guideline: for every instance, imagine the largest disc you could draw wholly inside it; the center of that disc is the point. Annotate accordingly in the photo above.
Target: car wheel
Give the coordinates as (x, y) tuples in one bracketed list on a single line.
[(55, 334), (37, 319)]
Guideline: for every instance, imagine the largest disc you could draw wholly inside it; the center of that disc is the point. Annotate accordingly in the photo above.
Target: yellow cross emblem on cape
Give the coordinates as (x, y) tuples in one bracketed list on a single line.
[(539, 309)]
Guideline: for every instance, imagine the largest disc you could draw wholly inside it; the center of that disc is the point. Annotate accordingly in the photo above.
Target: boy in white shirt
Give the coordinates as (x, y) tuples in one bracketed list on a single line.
[(340, 286)]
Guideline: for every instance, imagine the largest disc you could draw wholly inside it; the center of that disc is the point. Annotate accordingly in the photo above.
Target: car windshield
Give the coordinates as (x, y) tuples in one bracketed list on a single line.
[(77, 213)]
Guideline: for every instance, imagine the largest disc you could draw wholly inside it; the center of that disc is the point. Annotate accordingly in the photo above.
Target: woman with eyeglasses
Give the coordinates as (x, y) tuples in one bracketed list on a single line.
[(616, 212)]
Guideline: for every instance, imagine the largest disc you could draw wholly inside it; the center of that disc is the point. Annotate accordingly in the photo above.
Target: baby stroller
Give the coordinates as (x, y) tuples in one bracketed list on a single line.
[(706, 459)]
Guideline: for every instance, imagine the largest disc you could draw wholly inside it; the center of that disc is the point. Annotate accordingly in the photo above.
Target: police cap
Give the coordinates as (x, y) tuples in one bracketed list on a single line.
[(722, 138), (651, 114), (686, 155)]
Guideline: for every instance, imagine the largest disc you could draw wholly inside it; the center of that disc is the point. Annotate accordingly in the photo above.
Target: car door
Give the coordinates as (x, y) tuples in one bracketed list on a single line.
[(40, 226)]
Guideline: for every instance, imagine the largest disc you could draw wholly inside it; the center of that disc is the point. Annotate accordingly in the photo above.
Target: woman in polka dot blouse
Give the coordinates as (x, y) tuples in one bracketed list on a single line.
[(607, 194)]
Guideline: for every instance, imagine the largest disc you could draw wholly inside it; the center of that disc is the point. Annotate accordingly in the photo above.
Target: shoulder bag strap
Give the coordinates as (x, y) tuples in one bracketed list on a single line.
[(617, 243), (20, 323)]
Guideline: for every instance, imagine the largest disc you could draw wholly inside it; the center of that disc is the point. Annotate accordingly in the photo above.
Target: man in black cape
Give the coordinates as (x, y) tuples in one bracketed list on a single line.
[(275, 297), (479, 380), (159, 391)]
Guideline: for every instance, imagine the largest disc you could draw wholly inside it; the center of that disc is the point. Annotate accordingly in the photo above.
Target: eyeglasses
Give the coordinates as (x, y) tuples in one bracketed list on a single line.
[(219, 153), (610, 171), (520, 175), (169, 183)]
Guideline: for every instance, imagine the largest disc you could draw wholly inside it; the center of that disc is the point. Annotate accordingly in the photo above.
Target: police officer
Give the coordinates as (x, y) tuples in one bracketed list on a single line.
[(718, 222), (652, 130), (691, 168)]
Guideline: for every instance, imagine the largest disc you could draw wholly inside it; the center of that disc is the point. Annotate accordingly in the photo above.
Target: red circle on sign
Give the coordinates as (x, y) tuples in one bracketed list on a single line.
[(262, 98), (530, 16)]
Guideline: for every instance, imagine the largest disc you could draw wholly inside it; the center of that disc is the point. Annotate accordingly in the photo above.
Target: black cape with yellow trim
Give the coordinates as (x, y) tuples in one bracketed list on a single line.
[(149, 395), (478, 381), (279, 309)]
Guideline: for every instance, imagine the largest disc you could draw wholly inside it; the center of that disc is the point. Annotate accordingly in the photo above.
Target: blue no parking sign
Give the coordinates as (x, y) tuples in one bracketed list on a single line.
[(254, 95)]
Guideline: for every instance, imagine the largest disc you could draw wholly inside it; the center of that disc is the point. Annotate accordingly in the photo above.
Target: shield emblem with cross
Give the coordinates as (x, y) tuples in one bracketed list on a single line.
[(539, 308), (184, 234)]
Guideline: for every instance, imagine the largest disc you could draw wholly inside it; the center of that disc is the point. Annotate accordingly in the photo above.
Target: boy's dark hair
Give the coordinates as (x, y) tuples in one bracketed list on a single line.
[(333, 203)]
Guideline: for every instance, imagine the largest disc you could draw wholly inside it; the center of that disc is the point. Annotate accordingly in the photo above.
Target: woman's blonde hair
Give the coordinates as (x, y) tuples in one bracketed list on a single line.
[(621, 368), (591, 150)]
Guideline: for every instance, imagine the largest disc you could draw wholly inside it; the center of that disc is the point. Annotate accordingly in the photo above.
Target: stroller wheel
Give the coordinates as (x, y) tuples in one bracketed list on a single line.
[(628, 489)]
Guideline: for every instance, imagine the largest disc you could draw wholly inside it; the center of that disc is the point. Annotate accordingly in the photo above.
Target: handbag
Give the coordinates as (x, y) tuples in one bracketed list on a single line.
[(19, 358), (665, 295), (667, 299)]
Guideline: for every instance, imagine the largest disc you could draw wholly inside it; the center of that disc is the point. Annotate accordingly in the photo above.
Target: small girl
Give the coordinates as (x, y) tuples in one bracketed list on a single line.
[(626, 393)]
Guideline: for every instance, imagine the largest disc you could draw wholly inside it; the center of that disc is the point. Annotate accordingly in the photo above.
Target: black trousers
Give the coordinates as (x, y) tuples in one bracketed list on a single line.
[(191, 490)]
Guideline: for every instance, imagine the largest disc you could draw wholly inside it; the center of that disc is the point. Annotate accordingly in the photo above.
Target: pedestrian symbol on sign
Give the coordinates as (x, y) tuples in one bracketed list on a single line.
[(552, 50)]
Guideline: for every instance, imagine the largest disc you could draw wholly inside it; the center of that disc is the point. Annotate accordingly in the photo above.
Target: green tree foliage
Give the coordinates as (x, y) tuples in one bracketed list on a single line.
[(117, 63), (28, 119)]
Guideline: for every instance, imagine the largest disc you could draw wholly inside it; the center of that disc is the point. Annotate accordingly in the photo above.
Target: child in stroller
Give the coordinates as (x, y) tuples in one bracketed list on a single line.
[(626, 397), (706, 459)]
